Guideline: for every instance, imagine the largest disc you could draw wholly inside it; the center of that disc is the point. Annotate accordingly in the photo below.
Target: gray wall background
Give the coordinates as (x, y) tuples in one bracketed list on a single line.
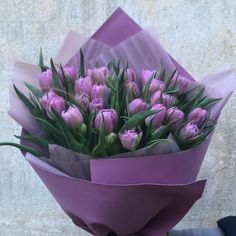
[(200, 34)]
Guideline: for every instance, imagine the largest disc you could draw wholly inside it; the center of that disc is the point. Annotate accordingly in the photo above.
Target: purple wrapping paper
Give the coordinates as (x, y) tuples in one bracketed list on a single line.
[(102, 209), (104, 195)]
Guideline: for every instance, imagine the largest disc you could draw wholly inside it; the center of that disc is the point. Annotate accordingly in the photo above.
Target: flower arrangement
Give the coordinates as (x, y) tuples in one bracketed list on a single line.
[(92, 111)]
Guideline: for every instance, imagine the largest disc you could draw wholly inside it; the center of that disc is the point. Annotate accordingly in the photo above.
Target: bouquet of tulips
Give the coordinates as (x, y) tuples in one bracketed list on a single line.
[(117, 129)]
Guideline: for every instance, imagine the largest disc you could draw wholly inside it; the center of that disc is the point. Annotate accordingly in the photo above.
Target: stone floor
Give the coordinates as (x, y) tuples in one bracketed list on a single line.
[(199, 34)]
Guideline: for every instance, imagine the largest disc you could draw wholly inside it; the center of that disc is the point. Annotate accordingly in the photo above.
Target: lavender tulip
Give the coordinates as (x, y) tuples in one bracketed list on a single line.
[(174, 115), (83, 85), (157, 119), (56, 103), (72, 117), (96, 104), (137, 105), (197, 116), (167, 99), (46, 98), (188, 131), (156, 85), (146, 75), (98, 75), (131, 75), (109, 116), (45, 80), (156, 98), (133, 90), (130, 139), (181, 83), (99, 91), (70, 72), (83, 100)]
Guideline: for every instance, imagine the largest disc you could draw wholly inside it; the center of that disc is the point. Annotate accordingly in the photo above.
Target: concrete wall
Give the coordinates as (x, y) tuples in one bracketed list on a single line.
[(201, 34)]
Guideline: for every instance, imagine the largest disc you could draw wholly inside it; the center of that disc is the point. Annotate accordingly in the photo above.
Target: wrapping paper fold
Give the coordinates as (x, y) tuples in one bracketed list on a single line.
[(103, 195)]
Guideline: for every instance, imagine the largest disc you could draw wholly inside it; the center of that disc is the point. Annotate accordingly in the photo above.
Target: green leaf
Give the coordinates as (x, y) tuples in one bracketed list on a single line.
[(169, 78), (146, 89), (33, 139), (137, 119), (161, 74), (24, 99), (56, 81), (23, 148), (208, 101), (35, 91), (82, 71), (41, 63), (99, 149), (157, 141)]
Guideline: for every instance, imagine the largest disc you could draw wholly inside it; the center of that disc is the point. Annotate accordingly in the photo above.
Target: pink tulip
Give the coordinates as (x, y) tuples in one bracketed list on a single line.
[(133, 90), (99, 91), (109, 116), (167, 99), (130, 139), (189, 131), (146, 75), (56, 103), (45, 80), (46, 98), (83, 85), (156, 85), (70, 72), (98, 75), (72, 117), (137, 105), (156, 98), (96, 104), (157, 119), (83, 100), (197, 116), (131, 76), (174, 115)]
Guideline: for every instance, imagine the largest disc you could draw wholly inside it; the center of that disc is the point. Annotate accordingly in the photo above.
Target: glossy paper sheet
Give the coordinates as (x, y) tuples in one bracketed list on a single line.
[(155, 191)]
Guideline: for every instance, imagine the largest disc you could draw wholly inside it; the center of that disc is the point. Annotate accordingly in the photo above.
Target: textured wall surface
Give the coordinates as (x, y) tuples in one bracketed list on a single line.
[(201, 34)]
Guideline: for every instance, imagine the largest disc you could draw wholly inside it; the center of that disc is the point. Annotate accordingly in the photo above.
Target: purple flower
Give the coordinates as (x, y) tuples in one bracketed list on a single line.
[(130, 139), (83, 100), (56, 103), (146, 75), (45, 80), (197, 116), (98, 75), (96, 104), (131, 76), (181, 82), (99, 91), (167, 99), (157, 119), (137, 105), (156, 85), (83, 85), (109, 116), (72, 117), (188, 131), (174, 115), (155, 98), (46, 98), (133, 90), (70, 72)]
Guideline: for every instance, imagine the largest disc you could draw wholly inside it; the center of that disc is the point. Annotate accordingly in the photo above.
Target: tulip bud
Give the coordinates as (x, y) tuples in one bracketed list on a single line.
[(110, 138), (130, 139), (83, 85), (45, 80), (146, 75), (157, 119), (70, 72), (46, 98), (155, 98), (197, 116), (137, 105), (72, 117), (96, 104), (99, 91), (83, 100), (188, 131), (133, 90), (109, 117), (174, 115), (156, 85), (98, 75), (167, 99), (56, 103), (131, 76)]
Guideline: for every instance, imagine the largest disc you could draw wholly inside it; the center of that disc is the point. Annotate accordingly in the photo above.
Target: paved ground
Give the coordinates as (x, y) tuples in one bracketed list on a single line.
[(200, 34)]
